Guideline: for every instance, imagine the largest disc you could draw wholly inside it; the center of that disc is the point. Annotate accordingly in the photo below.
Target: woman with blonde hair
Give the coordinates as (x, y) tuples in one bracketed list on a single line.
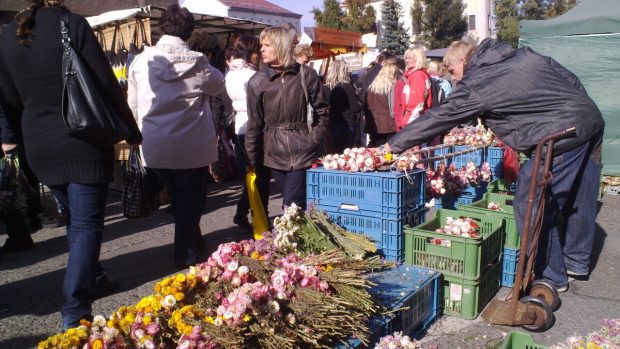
[(344, 108), (382, 104), (279, 134), (417, 91)]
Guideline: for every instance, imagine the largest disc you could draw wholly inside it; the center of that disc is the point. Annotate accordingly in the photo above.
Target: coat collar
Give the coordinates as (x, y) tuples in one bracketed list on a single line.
[(276, 73), (172, 41)]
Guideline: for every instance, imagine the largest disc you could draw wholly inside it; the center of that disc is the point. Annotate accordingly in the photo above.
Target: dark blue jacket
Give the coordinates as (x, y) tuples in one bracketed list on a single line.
[(522, 97)]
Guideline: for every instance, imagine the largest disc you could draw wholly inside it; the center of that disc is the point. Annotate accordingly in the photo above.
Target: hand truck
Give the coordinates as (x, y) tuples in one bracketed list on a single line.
[(533, 311)]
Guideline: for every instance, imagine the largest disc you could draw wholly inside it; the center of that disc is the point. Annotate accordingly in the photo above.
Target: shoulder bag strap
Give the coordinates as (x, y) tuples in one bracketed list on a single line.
[(66, 38), (145, 41)]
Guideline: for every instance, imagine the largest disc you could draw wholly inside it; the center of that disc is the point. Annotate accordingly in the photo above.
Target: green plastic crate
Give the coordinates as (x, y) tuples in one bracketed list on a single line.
[(500, 186), (511, 233), (466, 298), (520, 340), (460, 256)]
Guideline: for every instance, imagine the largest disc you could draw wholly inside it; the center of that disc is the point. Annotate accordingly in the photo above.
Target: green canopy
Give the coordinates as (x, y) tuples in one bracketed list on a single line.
[(586, 40)]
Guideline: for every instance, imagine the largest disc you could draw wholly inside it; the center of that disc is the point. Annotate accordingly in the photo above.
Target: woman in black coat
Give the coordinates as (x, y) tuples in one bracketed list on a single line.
[(344, 108), (78, 173), (278, 133)]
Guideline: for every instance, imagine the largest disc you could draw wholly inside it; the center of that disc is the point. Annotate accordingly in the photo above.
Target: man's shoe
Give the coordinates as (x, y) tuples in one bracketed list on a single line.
[(105, 287), (11, 245), (562, 289), (242, 221), (577, 276)]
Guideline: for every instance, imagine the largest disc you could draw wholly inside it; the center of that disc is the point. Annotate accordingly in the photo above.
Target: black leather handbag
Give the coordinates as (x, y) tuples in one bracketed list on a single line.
[(86, 109)]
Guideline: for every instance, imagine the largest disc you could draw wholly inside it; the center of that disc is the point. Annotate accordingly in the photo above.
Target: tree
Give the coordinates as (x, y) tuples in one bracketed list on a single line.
[(509, 12), (507, 21), (558, 7), (395, 38), (330, 17), (360, 17), (533, 9), (417, 12), (439, 22)]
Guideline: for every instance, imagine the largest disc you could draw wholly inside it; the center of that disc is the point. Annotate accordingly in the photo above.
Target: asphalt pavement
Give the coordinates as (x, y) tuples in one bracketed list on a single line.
[(138, 253)]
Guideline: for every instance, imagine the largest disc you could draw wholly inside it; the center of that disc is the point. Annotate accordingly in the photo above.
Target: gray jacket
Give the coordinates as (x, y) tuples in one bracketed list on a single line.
[(521, 95)]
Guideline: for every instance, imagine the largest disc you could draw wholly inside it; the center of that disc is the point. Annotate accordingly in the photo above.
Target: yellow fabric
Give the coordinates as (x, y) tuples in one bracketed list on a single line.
[(259, 219)]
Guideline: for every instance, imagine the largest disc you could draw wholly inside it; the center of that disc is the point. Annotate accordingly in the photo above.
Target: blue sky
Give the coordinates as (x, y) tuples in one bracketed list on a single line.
[(302, 7)]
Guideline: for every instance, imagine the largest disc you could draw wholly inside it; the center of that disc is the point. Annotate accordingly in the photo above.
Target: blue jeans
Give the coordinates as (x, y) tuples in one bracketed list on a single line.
[(292, 186), (572, 198), (186, 189), (86, 212)]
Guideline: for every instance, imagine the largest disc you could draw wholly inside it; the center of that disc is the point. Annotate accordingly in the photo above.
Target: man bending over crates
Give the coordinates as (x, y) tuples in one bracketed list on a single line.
[(523, 97)]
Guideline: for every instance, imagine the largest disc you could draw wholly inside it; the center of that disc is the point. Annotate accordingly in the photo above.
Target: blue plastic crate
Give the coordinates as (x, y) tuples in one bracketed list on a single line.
[(391, 193), (476, 156), (495, 157), (476, 191), (451, 202), (509, 266), (446, 149), (415, 290), (386, 233)]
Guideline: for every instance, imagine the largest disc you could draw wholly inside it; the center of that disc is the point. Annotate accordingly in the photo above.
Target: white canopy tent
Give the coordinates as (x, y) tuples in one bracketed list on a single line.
[(118, 15)]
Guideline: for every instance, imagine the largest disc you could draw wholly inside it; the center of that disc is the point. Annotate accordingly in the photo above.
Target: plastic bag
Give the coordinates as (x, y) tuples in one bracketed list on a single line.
[(259, 218), (14, 189), (141, 188)]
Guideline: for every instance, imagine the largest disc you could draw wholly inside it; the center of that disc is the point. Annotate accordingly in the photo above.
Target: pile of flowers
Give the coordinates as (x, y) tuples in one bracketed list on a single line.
[(472, 175), (608, 337), (495, 206), (469, 135), (397, 340), (405, 162), (448, 180), (355, 160), (444, 180), (463, 226), (248, 294)]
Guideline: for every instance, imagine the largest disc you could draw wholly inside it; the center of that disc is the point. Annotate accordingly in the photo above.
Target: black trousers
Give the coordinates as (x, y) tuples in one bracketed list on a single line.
[(292, 186), (263, 176)]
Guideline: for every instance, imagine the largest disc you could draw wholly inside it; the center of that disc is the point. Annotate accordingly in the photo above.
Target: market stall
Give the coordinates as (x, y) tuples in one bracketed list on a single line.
[(124, 33), (328, 43), (586, 40)]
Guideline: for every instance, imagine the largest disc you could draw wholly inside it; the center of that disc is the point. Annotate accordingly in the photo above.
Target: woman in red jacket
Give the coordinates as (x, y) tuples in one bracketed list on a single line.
[(416, 96)]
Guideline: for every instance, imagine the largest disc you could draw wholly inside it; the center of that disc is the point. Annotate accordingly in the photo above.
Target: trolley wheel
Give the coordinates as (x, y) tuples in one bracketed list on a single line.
[(546, 291), (541, 311)]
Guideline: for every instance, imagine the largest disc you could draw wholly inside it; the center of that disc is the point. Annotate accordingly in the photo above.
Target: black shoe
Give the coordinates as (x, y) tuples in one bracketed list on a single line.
[(184, 264), (242, 221), (105, 287), (577, 276), (12, 245), (34, 224)]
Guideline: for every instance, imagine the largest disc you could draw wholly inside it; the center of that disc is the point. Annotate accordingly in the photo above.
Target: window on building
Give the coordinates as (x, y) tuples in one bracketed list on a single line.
[(471, 23)]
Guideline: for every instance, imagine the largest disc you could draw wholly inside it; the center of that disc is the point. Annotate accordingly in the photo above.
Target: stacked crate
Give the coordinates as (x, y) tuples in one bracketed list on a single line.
[(376, 204), (411, 297), (512, 241), (492, 155), (470, 266)]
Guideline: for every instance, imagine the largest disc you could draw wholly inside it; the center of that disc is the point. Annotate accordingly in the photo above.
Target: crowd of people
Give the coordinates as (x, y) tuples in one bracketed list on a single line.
[(281, 117)]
